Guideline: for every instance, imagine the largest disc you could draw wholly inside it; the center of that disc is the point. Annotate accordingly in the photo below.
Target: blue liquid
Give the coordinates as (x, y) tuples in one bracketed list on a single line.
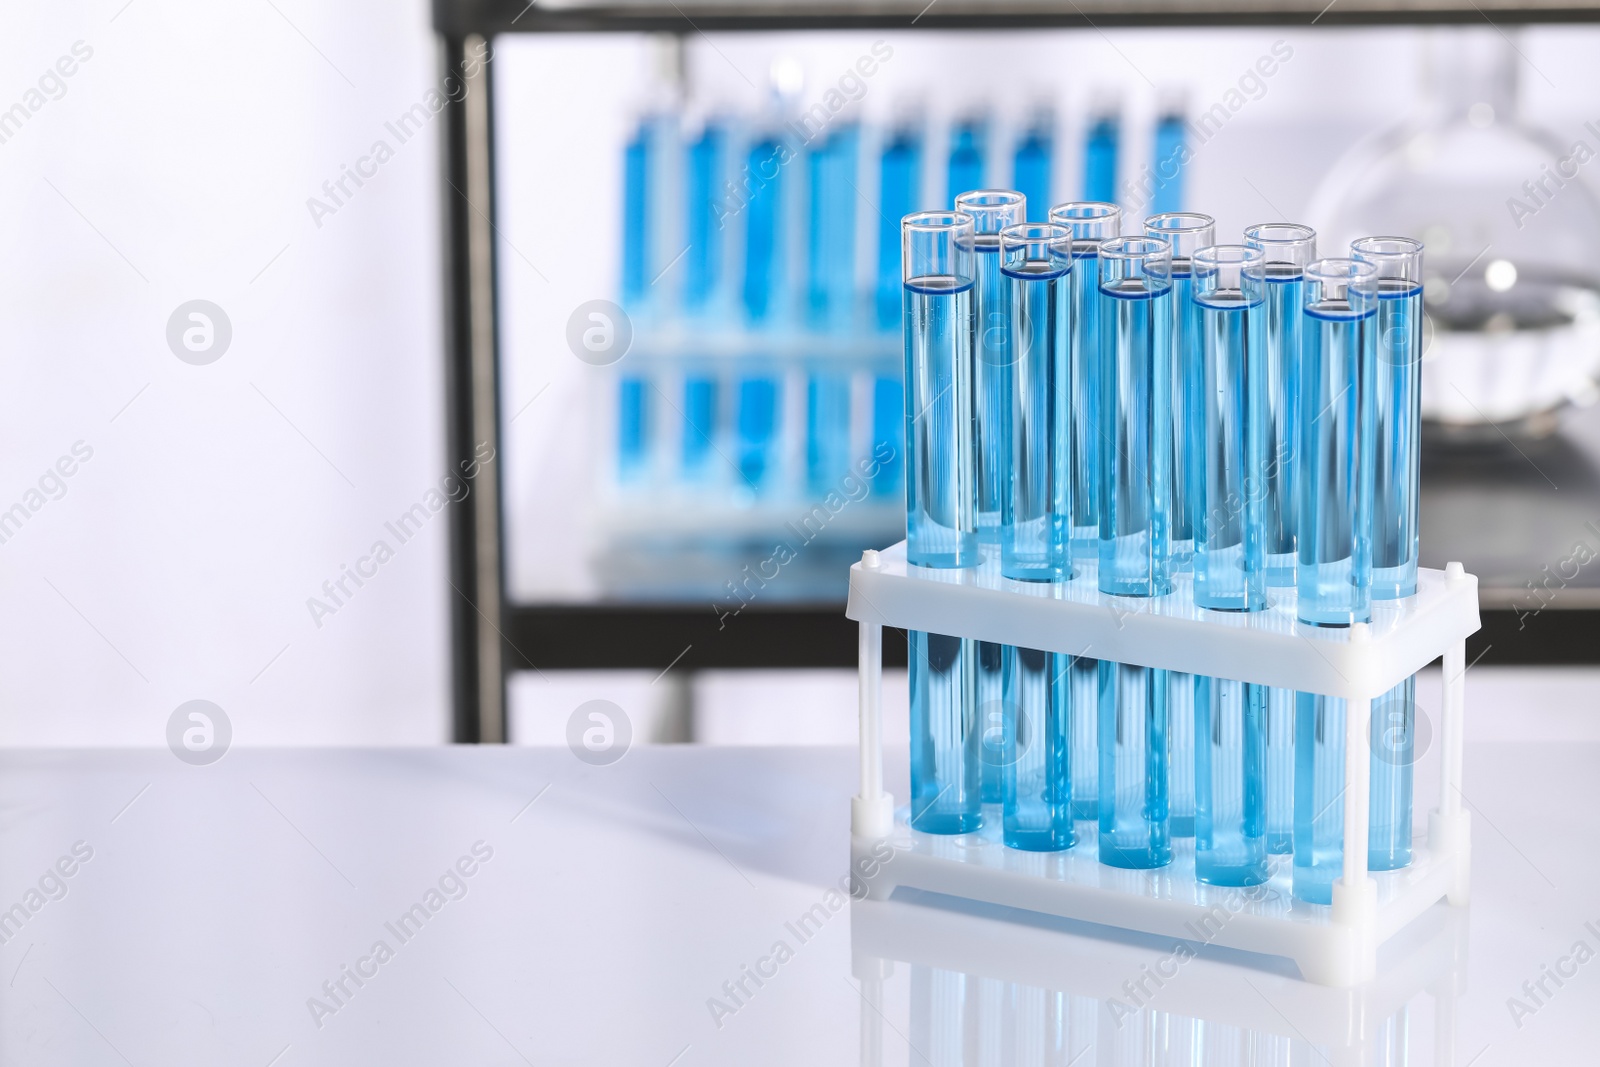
[(1037, 801), (1083, 412), (633, 429), (703, 262), (1230, 763), (1083, 695), (968, 147), (1168, 165), (1278, 725), (888, 435), (1334, 469), (1100, 161), (1030, 172), (1318, 796), (699, 427), (1186, 413), (756, 432), (827, 430), (900, 179), (831, 232), (944, 737), (992, 388), (764, 276), (1285, 295), (1134, 830), (636, 245), (940, 327), (1227, 456), (1394, 738), (1034, 540), (1398, 399), (990, 661), (1181, 733), (1136, 453)]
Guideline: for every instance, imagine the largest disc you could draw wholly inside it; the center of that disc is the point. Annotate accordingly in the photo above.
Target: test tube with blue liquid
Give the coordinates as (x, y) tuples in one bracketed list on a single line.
[(1288, 248), (703, 289), (1395, 494), (899, 189), (992, 210), (1397, 400), (1170, 156), (832, 164), (1333, 474), (940, 327), (1135, 498), (1032, 164), (1187, 232), (1091, 222), (642, 160), (1229, 566), (969, 151), (765, 299), (1035, 542), (1100, 149)]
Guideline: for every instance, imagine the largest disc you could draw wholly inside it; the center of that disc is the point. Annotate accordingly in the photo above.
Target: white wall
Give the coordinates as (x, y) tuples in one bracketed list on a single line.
[(177, 565)]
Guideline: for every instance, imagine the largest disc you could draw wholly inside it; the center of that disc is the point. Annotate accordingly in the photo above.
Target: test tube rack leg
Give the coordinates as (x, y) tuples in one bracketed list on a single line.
[(1333, 945)]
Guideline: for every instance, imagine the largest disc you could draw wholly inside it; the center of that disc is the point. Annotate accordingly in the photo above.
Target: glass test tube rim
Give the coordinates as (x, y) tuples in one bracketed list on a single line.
[(1236, 261), (930, 224), (1186, 231), (1404, 253), (1343, 272), (1295, 238), (1148, 251), (993, 210), (1055, 239), (1089, 221)]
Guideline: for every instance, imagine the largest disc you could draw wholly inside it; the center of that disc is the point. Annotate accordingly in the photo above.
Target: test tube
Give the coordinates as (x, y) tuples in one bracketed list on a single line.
[(704, 290), (764, 296), (635, 422), (1032, 163), (830, 303), (1188, 232), (969, 149), (1227, 456), (1036, 782), (1397, 401), (1170, 155), (1229, 753), (1333, 465), (1135, 472), (992, 210), (940, 433), (1289, 248), (1394, 737), (899, 184), (1100, 150), (941, 530), (1091, 222), (1035, 504)]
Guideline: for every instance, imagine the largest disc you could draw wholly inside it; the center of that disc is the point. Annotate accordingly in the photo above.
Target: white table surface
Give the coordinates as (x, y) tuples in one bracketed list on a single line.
[(219, 899)]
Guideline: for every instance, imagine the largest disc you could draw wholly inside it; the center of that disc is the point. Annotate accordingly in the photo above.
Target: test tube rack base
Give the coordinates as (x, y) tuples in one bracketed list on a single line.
[(1333, 945)]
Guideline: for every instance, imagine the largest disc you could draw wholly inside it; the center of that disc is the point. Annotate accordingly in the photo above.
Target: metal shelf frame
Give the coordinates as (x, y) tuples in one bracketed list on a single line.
[(490, 635)]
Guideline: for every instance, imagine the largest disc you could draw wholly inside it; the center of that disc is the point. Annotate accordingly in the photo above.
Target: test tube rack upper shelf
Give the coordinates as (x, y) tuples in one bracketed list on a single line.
[(1334, 945)]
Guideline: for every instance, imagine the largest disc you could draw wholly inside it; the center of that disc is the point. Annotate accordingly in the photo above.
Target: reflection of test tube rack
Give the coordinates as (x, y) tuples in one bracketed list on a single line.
[(1333, 945), (1026, 994)]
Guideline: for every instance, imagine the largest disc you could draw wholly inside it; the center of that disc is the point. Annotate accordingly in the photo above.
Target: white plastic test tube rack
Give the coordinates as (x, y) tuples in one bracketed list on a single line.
[(1333, 945)]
